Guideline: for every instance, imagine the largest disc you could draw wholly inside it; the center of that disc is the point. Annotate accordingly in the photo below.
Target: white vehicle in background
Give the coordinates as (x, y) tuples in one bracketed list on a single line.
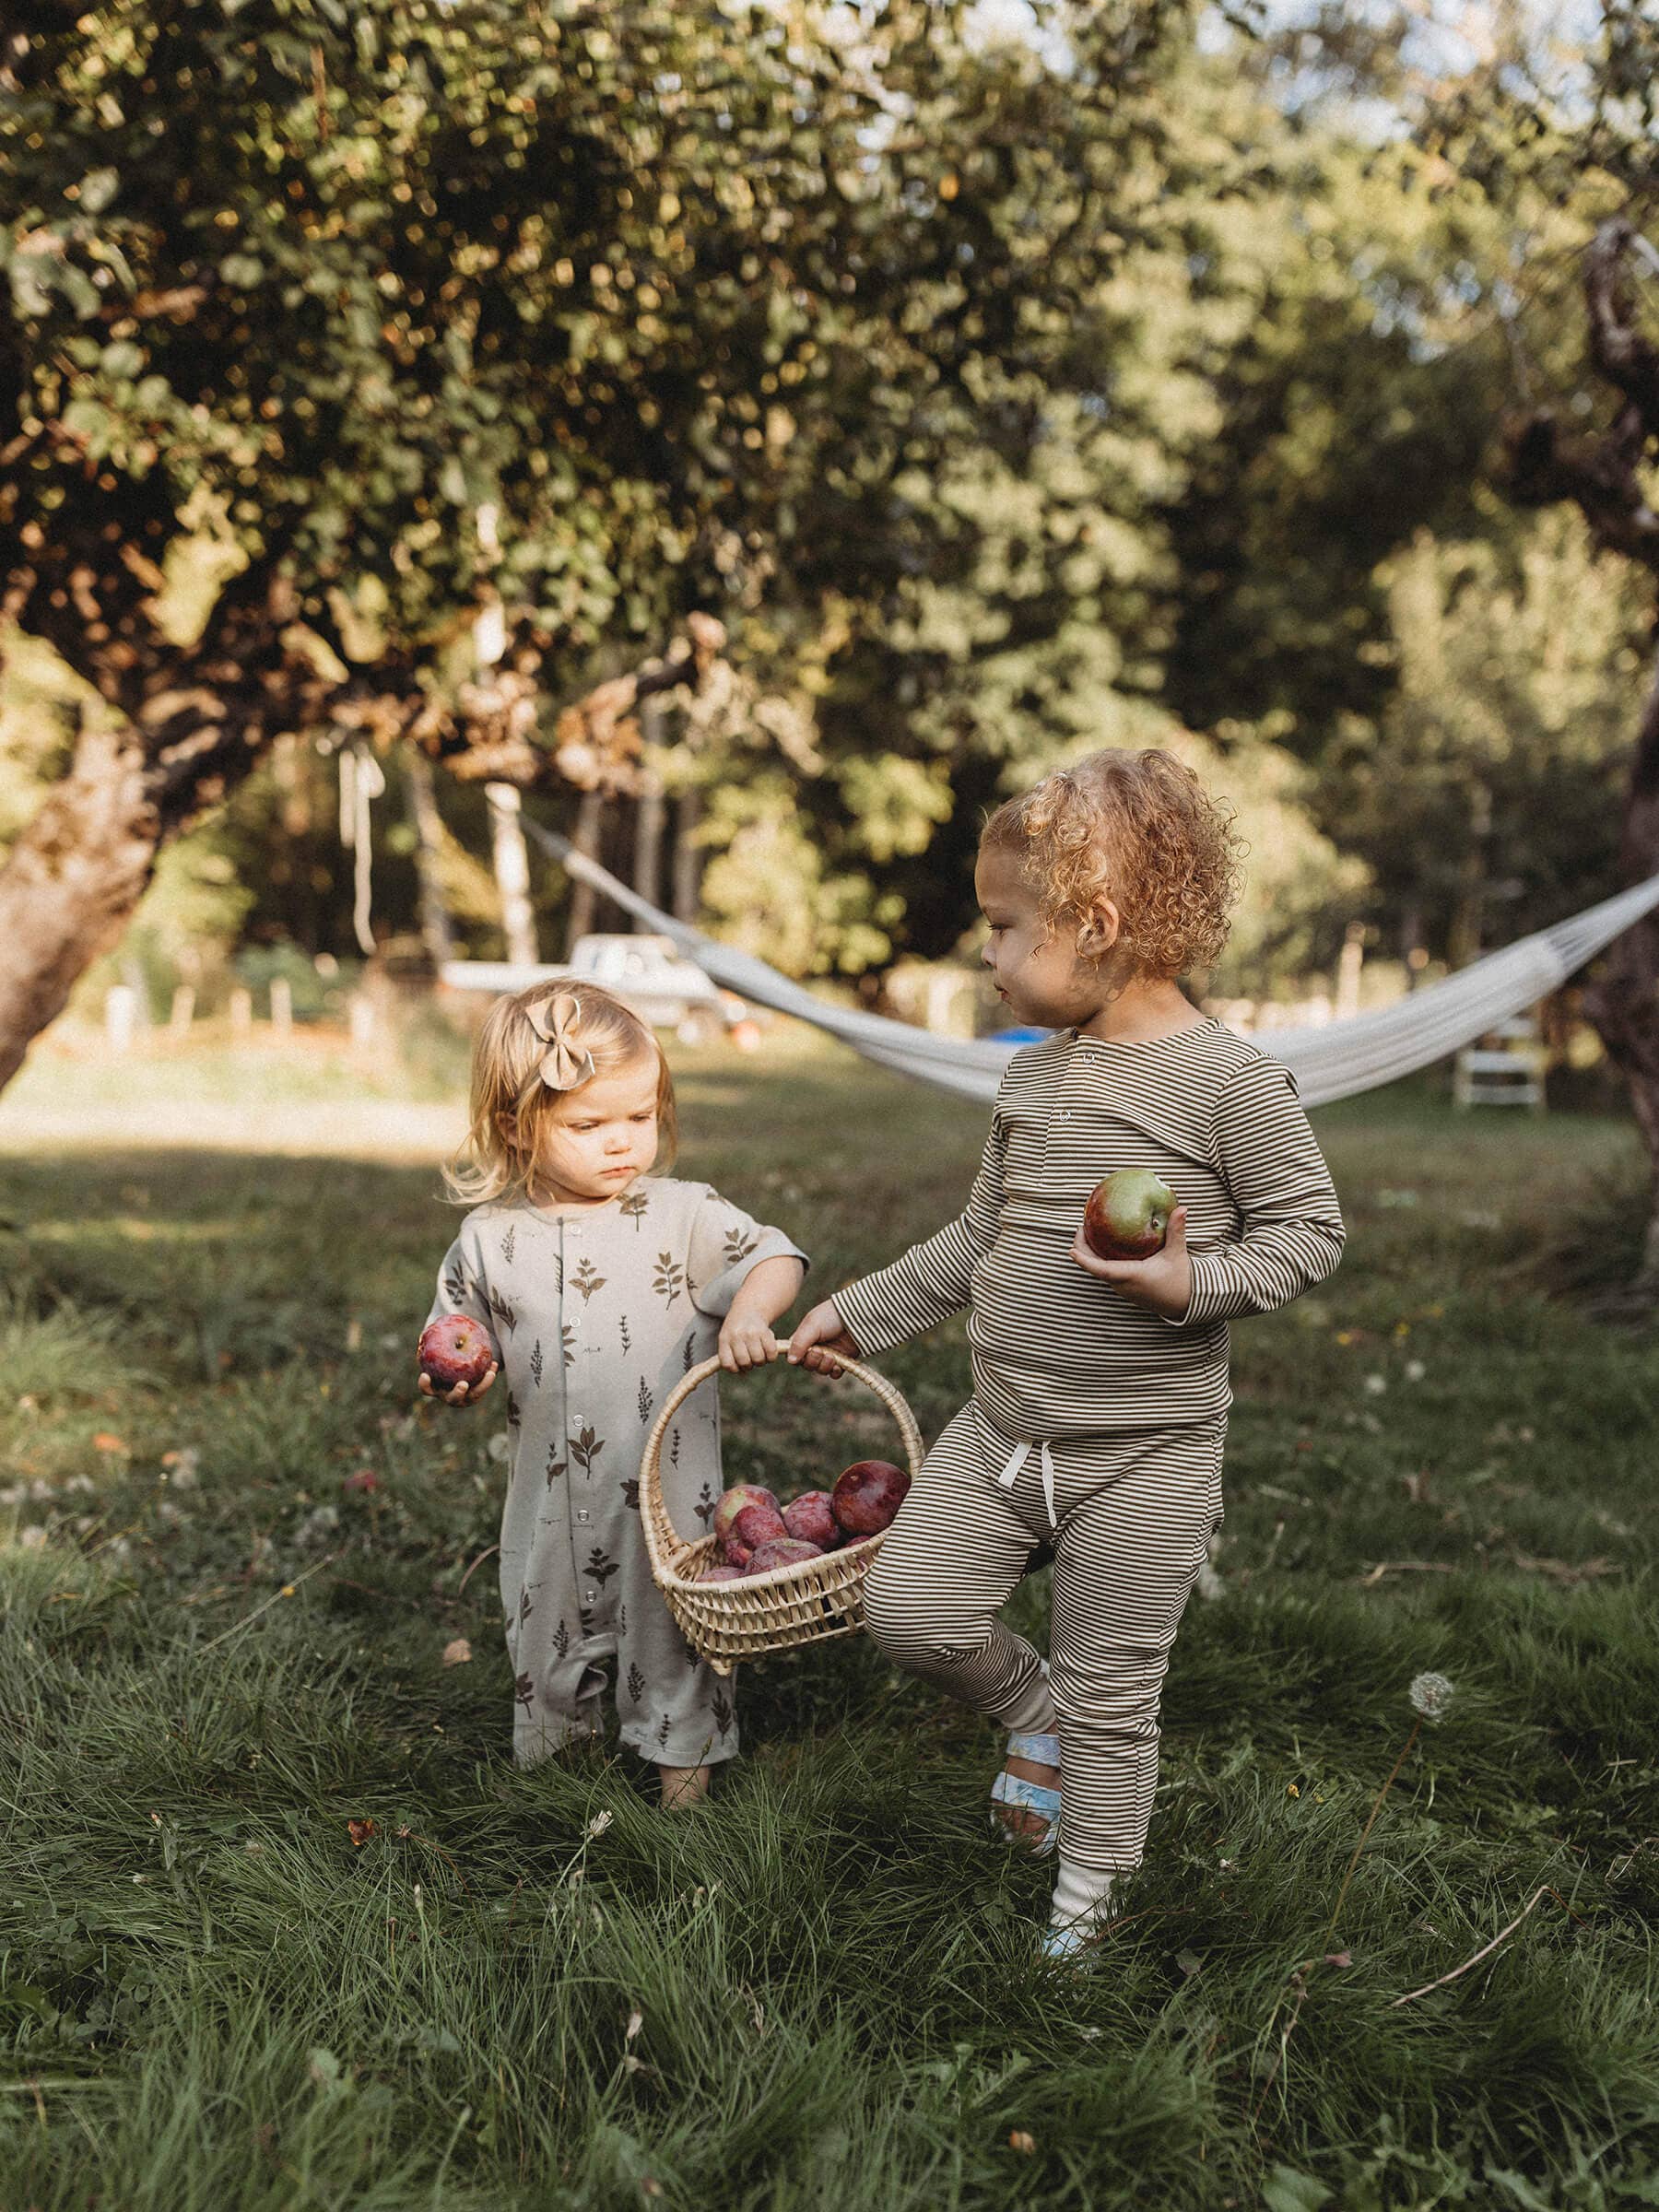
[(648, 974)]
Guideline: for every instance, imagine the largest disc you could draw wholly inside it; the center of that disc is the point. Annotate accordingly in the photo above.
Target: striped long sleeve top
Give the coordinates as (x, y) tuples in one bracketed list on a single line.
[(1056, 1351)]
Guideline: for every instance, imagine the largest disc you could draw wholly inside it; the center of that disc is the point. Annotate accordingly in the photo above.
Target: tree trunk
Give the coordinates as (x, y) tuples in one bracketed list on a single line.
[(648, 846), (70, 883), (1623, 999), (651, 816), (584, 900), (428, 825), (512, 872), (687, 857)]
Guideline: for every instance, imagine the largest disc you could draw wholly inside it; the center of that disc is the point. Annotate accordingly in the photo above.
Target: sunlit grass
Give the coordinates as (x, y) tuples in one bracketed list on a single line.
[(527, 1989)]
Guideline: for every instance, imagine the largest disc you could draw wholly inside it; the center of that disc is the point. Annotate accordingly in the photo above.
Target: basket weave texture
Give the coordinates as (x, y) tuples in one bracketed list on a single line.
[(724, 1622)]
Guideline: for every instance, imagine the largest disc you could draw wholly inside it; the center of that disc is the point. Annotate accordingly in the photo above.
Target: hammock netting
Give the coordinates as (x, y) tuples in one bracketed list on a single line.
[(1335, 1060)]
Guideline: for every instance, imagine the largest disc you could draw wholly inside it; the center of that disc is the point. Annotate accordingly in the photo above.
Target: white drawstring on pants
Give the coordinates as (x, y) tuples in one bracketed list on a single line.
[(1017, 1460)]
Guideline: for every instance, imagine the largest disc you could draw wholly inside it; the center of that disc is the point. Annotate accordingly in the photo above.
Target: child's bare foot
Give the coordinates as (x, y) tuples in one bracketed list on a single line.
[(684, 1788)]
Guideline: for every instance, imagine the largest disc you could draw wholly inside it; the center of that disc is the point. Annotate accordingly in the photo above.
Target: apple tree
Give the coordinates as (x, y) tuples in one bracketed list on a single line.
[(327, 330)]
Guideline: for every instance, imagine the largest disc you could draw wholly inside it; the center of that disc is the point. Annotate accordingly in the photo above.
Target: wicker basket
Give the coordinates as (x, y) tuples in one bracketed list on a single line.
[(773, 1612)]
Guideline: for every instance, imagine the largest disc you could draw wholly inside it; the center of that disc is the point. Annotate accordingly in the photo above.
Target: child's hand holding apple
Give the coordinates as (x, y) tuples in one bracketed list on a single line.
[(458, 1360), (1134, 1236)]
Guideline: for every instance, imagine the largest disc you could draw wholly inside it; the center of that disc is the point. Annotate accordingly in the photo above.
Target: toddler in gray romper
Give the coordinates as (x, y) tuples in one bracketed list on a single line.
[(598, 1314), (601, 1287)]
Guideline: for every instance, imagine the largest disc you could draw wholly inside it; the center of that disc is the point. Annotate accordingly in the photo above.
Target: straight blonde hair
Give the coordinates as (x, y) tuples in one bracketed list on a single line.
[(507, 1085)]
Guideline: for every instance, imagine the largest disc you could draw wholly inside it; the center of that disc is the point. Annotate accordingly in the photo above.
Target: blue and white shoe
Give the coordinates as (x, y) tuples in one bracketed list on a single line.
[(1074, 1945), (1025, 1796)]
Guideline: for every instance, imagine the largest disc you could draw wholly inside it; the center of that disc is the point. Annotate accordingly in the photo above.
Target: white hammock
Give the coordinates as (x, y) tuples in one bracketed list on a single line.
[(1335, 1061)]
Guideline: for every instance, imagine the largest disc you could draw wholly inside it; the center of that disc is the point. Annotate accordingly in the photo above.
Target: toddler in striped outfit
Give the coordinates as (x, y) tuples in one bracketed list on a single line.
[(1101, 1392)]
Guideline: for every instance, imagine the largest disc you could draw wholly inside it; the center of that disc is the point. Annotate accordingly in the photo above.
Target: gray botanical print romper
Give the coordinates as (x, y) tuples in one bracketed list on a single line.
[(598, 1313)]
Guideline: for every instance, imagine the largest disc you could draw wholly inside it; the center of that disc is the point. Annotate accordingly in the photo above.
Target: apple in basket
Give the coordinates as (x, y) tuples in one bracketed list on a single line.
[(1127, 1215), (867, 1495), (455, 1349), (811, 1516), (719, 1573), (746, 1515), (781, 1551)]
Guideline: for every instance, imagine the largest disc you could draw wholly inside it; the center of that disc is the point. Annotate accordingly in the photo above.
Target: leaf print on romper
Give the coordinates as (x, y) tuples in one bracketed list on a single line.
[(560, 1639), (645, 1402), (634, 1207), (536, 1363), (507, 1244), (706, 1502), (738, 1245), (585, 1447), (636, 1684), (721, 1707), (627, 1339), (567, 1342), (456, 1289), (504, 1311), (600, 1566), (557, 1468), (523, 1690), (669, 1278), (587, 1278)]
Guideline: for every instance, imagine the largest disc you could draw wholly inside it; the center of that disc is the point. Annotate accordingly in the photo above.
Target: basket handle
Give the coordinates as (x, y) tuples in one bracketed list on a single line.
[(661, 1539)]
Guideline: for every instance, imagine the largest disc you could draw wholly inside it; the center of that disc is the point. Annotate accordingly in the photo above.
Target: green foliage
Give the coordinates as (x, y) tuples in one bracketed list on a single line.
[(654, 306), (1484, 797), (1004, 396), (210, 1990)]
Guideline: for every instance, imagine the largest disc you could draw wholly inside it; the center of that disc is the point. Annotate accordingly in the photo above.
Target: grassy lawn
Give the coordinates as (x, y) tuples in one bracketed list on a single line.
[(527, 1989)]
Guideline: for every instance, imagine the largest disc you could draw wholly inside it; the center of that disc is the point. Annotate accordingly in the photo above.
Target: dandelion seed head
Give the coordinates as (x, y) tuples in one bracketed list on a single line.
[(1430, 1694), (598, 1824)]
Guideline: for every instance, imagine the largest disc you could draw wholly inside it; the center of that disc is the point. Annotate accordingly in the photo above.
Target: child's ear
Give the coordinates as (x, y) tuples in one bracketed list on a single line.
[(1101, 928)]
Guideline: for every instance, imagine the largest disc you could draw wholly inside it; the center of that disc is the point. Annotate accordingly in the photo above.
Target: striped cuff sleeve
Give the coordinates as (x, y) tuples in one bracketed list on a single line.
[(921, 1289), (1260, 1274)]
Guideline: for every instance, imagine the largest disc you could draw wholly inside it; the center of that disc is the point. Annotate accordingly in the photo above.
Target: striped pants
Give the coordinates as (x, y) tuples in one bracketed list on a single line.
[(1131, 1516)]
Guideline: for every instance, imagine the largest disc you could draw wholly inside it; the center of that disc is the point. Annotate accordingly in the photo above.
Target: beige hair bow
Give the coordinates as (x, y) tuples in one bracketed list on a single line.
[(564, 1064)]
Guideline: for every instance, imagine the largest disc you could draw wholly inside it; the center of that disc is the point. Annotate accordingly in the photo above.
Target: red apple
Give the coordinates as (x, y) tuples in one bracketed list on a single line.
[(364, 1479), (455, 1348), (755, 1525), (718, 1574), (867, 1495), (811, 1516), (783, 1551), (1129, 1215), (746, 1497)]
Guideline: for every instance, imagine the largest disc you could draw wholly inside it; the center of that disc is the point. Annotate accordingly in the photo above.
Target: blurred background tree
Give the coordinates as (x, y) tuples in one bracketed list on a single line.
[(1122, 375)]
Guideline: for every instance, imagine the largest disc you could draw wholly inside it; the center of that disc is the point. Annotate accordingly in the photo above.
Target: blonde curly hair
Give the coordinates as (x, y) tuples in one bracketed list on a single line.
[(507, 1085), (1140, 829)]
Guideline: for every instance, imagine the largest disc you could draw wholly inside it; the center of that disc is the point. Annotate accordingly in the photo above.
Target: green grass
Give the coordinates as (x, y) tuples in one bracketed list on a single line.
[(215, 1998)]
